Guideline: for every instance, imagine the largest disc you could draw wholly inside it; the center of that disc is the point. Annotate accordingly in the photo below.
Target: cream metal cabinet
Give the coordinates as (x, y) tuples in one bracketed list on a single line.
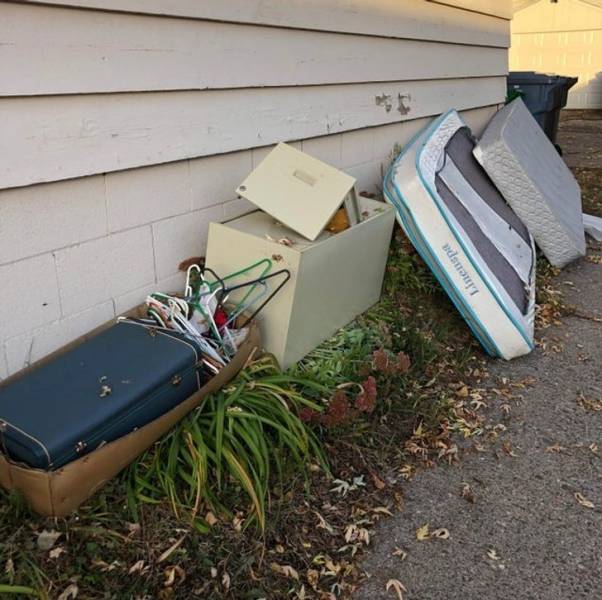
[(333, 279)]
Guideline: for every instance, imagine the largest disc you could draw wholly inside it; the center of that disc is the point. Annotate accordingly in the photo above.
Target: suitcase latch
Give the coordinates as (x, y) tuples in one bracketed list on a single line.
[(80, 447), (3, 426), (176, 380), (152, 332)]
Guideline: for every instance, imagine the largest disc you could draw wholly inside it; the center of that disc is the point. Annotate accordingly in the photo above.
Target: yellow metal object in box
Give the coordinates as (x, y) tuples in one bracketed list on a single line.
[(333, 279), (300, 191)]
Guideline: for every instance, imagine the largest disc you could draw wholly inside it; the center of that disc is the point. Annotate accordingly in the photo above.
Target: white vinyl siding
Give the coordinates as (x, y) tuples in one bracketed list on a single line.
[(126, 126)]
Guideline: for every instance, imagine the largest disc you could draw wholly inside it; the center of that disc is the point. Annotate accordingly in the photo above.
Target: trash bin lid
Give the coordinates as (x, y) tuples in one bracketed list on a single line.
[(531, 77), (535, 78), (297, 189)]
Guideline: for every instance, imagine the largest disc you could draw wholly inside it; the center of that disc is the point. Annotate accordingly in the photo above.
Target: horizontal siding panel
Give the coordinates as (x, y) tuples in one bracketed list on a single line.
[(62, 51), (60, 137), (390, 18)]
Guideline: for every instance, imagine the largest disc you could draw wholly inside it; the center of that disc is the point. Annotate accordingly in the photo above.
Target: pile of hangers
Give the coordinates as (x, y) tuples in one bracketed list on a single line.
[(215, 311)]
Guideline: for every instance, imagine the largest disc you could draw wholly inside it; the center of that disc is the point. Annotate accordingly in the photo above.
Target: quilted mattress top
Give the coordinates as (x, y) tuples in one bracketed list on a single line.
[(535, 181)]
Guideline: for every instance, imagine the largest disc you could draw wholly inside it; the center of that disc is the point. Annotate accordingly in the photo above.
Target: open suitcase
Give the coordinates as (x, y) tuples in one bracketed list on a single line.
[(113, 383)]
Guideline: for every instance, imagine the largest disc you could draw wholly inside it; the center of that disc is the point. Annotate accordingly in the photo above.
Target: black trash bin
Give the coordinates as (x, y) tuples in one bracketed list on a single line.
[(545, 95)]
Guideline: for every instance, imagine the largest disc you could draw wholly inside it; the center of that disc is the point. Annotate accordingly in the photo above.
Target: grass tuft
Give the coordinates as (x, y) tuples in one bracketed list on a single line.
[(223, 456)]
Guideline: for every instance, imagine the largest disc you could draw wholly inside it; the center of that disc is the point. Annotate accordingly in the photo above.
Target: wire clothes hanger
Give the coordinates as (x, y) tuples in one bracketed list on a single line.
[(254, 282), (201, 314), (244, 303)]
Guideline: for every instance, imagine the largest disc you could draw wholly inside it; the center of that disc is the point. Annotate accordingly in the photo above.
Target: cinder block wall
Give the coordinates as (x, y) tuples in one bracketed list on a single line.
[(75, 253)]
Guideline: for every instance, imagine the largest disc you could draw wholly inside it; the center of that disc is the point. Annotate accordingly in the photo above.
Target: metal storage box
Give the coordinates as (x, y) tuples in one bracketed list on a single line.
[(297, 189), (333, 279)]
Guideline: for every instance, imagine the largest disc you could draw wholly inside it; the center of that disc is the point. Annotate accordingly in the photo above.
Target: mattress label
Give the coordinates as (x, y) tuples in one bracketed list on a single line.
[(469, 284)]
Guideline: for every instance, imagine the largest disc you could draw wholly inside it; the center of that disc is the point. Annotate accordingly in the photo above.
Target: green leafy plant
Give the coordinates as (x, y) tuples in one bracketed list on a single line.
[(17, 589), (339, 359), (223, 455)]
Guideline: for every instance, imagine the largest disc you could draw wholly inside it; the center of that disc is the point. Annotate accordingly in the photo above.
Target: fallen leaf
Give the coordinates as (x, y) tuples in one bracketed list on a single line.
[(378, 482), (171, 573), (397, 586), (589, 403), (355, 533), (238, 521), (133, 529), (70, 592), (313, 578), (594, 448), (467, 493), (333, 569), (556, 448), (104, 566), (462, 392), (285, 570), (226, 581), (341, 487), (47, 539), (167, 553), (211, 519), (400, 552), (583, 500), (9, 568), (56, 552), (477, 404), (441, 533), (422, 533), (322, 523), (407, 471), (492, 554), (507, 448), (382, 510), (137, 567)]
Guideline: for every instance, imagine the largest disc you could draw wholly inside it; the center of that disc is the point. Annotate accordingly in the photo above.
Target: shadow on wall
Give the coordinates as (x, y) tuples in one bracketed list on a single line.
[(586, 93)]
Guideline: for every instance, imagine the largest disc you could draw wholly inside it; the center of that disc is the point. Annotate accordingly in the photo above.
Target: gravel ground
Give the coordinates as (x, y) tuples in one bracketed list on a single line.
[(526, 536), (579, 137)]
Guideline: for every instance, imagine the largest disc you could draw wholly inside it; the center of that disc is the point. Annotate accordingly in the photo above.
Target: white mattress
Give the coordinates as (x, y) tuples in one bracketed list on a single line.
[(535, 181), (462, 237)]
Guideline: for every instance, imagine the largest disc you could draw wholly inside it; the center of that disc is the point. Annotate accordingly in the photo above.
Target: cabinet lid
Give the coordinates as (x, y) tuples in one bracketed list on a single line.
[(296, 189)]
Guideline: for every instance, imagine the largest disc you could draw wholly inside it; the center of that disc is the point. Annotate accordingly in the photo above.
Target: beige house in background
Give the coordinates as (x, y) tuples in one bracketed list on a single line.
[(562, 37), (127, 125)]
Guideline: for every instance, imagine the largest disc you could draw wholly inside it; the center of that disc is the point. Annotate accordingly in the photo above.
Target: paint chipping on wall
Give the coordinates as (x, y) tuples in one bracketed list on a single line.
[(384, 100), (402, 109)]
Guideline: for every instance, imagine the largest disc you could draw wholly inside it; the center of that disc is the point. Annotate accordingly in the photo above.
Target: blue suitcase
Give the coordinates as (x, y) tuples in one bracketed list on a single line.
[(104, 388)]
